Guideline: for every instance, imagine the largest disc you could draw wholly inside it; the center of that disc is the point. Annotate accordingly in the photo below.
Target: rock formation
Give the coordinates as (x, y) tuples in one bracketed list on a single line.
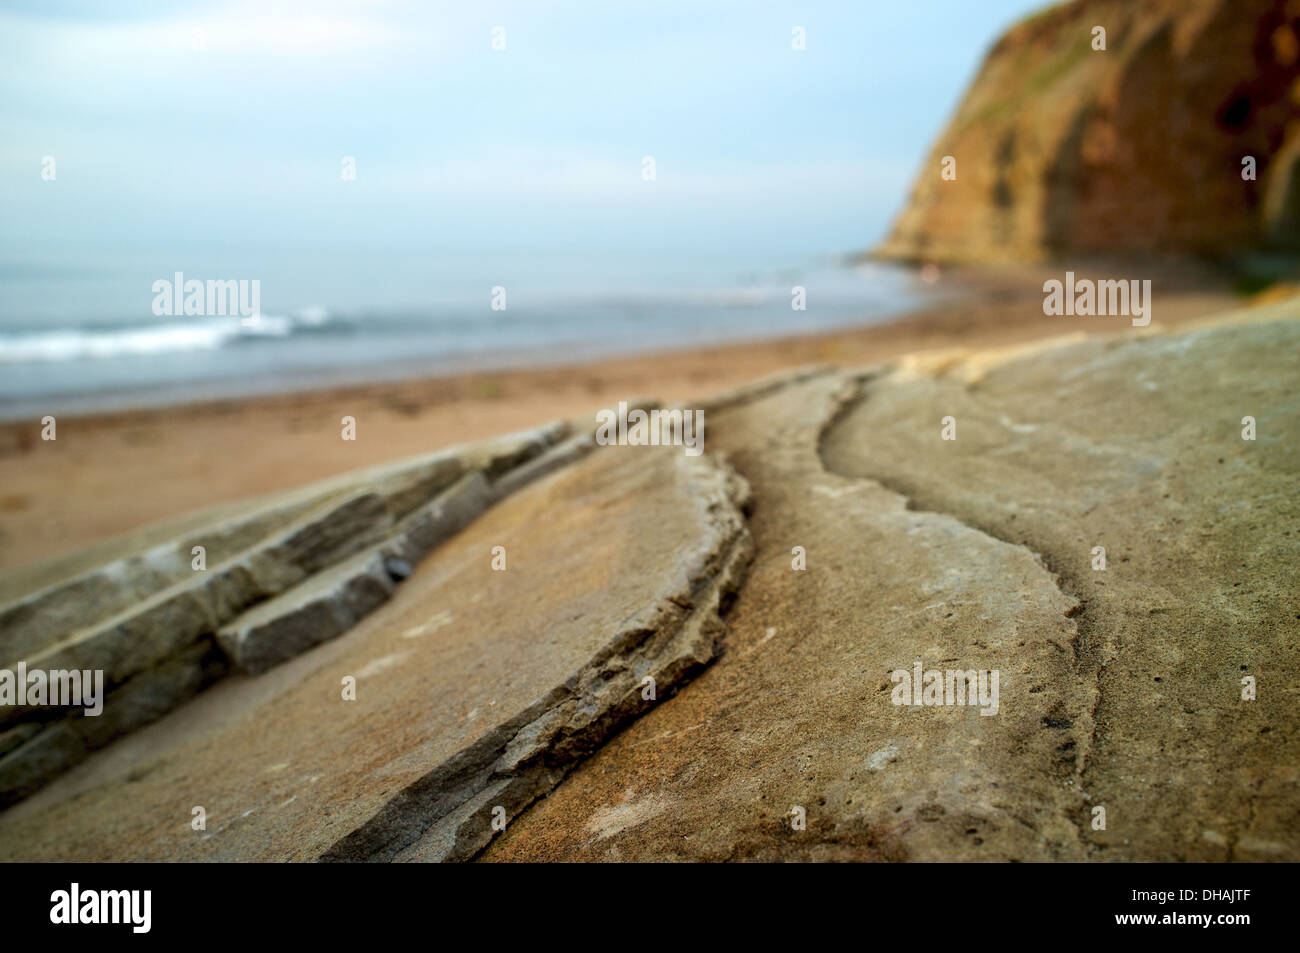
[(679, 655), (1060, 148), (287, 573)]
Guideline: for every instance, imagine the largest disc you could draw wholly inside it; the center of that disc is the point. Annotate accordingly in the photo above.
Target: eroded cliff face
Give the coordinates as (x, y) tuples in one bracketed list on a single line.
[(1062, 149)]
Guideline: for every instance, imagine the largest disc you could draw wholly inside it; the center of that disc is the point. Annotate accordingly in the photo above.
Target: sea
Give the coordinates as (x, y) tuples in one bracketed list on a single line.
[(79, 332)]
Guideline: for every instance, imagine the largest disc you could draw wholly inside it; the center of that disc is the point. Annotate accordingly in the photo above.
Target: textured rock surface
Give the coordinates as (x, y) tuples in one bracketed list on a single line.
[(1063, 149), (46, 749), (164, 624), (475, 688), (73, 593), (523, 689), (430, 525), (797, 710), (1118, 688), (321, 608), (1123, 448), (288, 572)]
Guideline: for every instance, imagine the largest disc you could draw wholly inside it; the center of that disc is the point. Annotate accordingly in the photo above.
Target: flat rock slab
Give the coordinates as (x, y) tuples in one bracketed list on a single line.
[(475, 688), (1118, 688), (796, 711), (270, 577), (321, 608), (1135, 445), (589, 695)]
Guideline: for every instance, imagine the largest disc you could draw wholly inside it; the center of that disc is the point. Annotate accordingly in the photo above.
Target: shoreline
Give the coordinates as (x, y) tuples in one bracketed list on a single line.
[(113, 471), (133, 401), (90, 367)]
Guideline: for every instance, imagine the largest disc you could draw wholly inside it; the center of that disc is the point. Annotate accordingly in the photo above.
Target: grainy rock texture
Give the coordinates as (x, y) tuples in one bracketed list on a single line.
[(1136, 446), (475, 688), (1061, 148), (797, 710), (288, 572), (1119, 688), (580, 653)]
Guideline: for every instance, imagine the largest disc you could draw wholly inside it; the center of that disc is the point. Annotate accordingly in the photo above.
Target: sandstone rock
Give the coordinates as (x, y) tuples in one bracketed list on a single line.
[(1135, 445), (360, 519), (317, 559), (46, 603), (1119, 688), (11, 738), (398, 569), (320, 608), (560, 455), (1061, 148), (51, 750), (509, 452), (411, 484), (475, 688), (428, 527), (64, 595), (618, 694), (43, 750), (797, 711), (167, 623)]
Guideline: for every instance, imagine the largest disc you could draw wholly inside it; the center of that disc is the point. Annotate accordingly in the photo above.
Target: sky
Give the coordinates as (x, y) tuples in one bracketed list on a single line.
[(225, 124)]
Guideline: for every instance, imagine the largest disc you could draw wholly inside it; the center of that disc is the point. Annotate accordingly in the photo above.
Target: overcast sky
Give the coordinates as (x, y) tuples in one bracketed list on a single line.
[(224, 124)]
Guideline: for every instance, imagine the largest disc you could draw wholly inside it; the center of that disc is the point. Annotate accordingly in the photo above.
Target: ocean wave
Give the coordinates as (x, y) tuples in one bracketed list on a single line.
[(171, 337)]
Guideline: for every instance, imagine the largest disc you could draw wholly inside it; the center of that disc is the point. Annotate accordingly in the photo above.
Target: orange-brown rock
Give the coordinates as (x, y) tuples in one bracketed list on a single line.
[(1064, 149)]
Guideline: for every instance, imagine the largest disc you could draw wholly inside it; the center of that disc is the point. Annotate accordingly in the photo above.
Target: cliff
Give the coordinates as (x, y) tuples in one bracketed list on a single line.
[(1061, 148)]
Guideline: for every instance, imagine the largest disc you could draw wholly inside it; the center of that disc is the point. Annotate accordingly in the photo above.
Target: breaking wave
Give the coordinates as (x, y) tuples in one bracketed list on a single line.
[(169, 337)]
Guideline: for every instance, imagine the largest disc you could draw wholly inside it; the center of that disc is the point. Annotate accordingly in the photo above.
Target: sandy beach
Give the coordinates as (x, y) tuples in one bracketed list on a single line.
[(110, 473)]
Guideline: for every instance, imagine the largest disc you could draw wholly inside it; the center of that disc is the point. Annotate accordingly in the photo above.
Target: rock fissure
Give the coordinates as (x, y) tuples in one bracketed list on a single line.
[(916, 500), (440, 816)]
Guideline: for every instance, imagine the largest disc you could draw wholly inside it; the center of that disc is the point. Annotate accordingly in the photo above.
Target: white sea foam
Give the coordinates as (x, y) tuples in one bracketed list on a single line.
[(170, 337)]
